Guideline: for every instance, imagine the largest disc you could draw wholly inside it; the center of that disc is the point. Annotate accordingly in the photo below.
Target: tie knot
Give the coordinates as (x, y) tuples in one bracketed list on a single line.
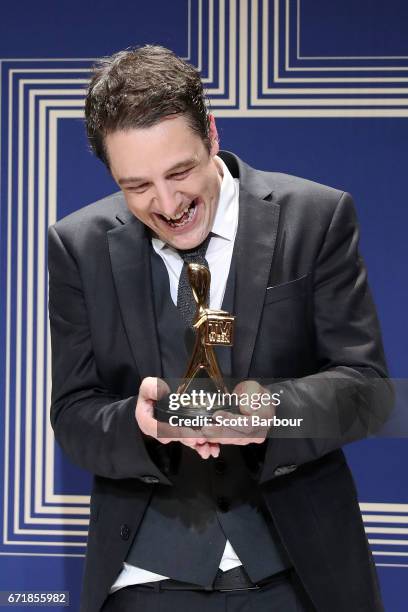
[(196, 255)]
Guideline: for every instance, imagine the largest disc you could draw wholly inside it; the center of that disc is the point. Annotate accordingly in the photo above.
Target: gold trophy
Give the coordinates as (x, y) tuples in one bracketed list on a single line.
[(212, 328)]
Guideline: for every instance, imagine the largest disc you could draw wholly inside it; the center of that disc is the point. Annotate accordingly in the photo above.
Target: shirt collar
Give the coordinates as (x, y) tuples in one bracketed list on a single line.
[(224, 224)]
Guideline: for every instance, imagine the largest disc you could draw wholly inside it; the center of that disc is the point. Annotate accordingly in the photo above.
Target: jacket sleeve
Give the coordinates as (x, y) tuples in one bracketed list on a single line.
[(97, 429), (350, 397)]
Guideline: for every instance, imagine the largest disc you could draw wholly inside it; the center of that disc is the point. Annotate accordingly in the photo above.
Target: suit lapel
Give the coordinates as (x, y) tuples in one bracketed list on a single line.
[(254, 248), (130, 259)]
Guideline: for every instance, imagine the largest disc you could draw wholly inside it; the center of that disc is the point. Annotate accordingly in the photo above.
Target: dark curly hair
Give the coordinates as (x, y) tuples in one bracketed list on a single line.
[(136, 88)]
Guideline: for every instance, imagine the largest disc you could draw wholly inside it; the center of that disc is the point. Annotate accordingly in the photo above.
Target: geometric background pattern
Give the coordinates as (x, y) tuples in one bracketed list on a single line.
[(261, 60), (36, 97)]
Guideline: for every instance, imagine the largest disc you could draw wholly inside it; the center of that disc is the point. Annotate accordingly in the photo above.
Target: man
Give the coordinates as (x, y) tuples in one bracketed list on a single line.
[(255, 520)]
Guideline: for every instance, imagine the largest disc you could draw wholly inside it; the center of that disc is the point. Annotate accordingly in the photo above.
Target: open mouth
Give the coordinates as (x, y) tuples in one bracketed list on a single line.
[(183, 218)]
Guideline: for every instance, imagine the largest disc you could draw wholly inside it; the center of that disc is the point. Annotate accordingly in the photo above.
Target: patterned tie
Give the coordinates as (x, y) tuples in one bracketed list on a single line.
[(185, 299)]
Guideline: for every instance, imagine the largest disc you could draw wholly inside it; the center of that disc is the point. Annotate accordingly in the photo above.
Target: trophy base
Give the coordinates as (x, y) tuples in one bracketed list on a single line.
[(191, 415)]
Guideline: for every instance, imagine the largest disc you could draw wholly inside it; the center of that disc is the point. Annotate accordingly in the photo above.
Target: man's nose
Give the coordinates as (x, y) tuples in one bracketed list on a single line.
[(168, 200)]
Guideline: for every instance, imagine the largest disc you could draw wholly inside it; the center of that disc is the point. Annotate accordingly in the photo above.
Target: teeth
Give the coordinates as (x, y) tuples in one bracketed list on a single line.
[(179, 215), (177, 223), (176, 217)]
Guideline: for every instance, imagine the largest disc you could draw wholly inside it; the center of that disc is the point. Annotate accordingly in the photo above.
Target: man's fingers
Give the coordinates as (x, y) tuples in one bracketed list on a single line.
[(249, 387), (150, 390), (184, 434), (153, 389), (203, 450), (238, 436), (215, 449), (255, 399), (207, 450)]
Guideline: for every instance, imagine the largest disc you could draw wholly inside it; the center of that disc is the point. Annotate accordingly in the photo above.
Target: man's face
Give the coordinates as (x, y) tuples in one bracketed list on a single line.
[(169, 179)]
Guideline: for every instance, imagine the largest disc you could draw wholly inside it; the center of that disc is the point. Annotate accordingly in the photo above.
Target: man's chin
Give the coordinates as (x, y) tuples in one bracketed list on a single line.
[(184, 241)]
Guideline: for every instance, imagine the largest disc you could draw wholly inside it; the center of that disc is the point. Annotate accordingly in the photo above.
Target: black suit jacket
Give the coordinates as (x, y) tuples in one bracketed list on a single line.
[(304, 316)]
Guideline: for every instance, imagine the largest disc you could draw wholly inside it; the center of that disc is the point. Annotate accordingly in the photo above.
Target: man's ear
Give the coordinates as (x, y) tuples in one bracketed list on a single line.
[(213, 134)]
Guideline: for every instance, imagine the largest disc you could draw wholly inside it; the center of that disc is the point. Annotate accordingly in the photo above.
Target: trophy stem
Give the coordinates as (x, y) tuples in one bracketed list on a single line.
[(203, 358), (212, 328)]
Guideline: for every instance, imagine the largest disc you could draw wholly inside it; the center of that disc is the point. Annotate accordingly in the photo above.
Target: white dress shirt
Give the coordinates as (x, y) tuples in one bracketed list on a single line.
[(218, 255)]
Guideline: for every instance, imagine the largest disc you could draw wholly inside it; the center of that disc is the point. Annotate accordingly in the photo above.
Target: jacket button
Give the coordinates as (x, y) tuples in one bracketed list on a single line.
[(124, 532), (220, 466), (149, 479), (223, 504)]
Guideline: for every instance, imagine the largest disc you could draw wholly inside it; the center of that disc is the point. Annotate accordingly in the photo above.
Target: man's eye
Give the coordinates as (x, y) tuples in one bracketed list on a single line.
[(180, 175), (138, 188)]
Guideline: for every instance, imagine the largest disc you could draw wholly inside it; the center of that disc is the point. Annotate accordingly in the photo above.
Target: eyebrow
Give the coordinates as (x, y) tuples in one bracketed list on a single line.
[(138, 179)]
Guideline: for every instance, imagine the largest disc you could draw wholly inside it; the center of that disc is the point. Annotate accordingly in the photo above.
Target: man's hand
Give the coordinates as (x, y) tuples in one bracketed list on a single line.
[(245, 433), (152, 390)]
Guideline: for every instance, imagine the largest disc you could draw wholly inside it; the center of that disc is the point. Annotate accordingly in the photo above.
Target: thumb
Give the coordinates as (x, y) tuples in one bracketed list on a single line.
[(245, 390), (245, 407), (153, 389)]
